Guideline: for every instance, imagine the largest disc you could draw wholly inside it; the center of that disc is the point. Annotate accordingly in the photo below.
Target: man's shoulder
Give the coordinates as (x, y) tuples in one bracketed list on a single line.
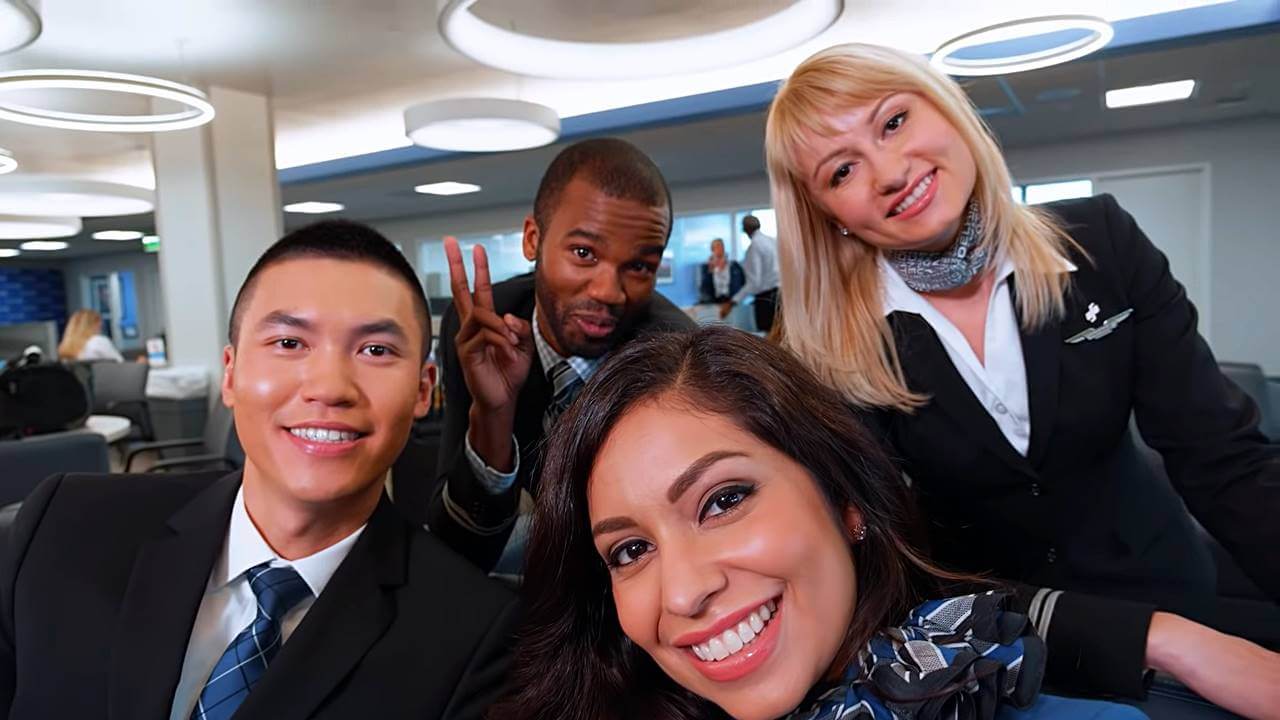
[(664, 316), (515, 295), (135, 490), (433, 566)]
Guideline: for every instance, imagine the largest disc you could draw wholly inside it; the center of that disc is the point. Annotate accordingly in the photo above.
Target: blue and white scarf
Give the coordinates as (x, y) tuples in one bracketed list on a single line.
[(958, 658)]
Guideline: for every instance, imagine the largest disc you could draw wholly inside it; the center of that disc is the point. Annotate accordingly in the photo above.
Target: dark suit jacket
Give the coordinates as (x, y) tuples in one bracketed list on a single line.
[(465, 515), (105, 573), (707, 288), (1082, 511)]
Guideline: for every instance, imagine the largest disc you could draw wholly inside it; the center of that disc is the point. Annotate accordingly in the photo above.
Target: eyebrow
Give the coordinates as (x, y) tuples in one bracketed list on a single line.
[(279, 317), (385, 326), (585, 235), (875, 111), (696, 469), (381, 327)]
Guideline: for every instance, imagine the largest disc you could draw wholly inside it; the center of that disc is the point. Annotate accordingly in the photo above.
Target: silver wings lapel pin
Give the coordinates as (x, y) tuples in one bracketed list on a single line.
[(1107, 327)]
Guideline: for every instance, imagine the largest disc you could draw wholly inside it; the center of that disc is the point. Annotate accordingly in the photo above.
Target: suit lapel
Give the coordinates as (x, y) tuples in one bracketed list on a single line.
[(1041, 353), (165, 589), (925, 361), (352, 613)]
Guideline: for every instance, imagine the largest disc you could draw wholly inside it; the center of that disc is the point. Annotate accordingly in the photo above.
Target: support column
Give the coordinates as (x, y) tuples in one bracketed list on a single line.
[(217, 209)]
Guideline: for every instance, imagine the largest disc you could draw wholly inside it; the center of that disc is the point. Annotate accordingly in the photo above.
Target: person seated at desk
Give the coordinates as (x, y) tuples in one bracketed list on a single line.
[(292, 589), (83, 339), (722, 278), (515, 354), (736, 544)]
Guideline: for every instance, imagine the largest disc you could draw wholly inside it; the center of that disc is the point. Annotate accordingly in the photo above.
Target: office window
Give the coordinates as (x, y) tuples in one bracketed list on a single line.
[(504, 250), (1066, 190), (1017, 193)]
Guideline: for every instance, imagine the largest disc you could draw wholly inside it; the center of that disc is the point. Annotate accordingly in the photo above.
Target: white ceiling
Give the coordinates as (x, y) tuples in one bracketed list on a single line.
[(341, 72)]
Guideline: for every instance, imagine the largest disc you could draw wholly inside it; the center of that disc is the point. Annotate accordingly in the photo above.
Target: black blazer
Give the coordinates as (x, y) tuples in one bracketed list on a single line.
[(707, 288), (104, 575), (470, 519), (1082, 511)]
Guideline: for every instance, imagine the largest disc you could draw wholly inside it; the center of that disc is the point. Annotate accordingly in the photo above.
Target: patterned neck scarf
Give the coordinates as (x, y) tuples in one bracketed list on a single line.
[(958, 659), (949, 269)]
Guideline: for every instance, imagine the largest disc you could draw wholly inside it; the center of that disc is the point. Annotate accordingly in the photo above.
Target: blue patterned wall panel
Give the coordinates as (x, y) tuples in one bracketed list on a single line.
[(31, 295)]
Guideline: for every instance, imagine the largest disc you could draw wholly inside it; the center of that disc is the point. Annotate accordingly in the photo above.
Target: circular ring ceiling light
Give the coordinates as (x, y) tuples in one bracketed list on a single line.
[(481, 124), (82, 198), (19, 25), (198, 109), (7, 162), (523, 54), (27, 227), (1098, 33)]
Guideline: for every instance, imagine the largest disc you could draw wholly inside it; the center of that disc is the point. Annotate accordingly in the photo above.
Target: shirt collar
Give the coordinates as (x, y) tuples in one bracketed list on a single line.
[(585, 367), (245, 548), (899, 297)]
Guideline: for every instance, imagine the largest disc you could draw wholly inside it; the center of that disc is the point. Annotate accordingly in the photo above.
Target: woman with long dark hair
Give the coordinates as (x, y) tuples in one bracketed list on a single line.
[(716, 537)]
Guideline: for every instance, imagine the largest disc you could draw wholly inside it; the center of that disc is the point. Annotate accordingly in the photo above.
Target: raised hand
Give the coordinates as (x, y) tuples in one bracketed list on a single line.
[(495, 353)]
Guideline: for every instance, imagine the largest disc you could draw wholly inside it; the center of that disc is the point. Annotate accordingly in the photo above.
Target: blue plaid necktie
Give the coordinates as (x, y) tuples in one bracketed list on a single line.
[(565, 384), (278, 590)]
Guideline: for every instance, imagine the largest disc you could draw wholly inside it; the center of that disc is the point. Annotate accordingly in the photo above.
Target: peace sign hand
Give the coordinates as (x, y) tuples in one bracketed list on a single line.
[(495, 352)]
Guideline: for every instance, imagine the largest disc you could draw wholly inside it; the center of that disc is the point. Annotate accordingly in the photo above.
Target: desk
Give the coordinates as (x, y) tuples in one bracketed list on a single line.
[(112, 427)]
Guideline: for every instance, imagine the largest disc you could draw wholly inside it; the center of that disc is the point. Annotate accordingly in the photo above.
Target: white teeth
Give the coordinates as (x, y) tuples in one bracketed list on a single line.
[(324, 435), (915, 195), (732, 641)]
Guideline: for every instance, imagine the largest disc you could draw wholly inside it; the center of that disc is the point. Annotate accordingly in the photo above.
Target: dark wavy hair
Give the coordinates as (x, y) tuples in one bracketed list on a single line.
[(573, 661)]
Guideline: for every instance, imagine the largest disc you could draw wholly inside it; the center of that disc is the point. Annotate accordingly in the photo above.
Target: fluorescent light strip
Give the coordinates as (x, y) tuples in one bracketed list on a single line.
[(497, 47), (44, 245), (447, 188), (9, 252), (117, 235), (1150, 94), (312, 207), (1100, 33), (199, 110)]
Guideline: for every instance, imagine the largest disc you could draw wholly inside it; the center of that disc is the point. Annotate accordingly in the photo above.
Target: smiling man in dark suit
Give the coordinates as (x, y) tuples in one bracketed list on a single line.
[(293, 589)]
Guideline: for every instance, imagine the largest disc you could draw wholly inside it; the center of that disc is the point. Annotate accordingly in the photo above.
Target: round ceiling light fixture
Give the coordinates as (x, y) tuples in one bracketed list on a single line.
[(19, 25), (1098, 33), (522, 54), (118, 235), (198, 110), (65, 196), (9, 252), (45, 245), (481, 124), (7, 162), (27, 227)]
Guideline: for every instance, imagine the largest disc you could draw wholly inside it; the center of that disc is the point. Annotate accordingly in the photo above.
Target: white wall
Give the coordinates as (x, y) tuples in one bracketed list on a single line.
[(1244, 280)]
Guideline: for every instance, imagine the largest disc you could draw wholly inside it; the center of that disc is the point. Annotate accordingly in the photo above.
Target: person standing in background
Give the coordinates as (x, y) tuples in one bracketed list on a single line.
[(83, 339), (761, 265), (721, 277)]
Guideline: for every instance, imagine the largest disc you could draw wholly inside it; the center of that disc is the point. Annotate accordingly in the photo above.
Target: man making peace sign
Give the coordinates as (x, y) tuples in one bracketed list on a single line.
[(514, 355)]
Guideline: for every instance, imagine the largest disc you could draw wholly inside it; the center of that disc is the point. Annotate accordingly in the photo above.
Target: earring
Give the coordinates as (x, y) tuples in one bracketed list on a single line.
[(860, 534), (844, 231)]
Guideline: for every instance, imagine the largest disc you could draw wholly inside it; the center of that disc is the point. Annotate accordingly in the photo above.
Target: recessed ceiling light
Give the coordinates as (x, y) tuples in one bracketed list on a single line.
[(117, 235), (198, 110), (25, 195), (44, 245), (7, 163), (1150, 94), (481, 124), (19, 25), (447, 188), (9, 252), (522, 54), (312, 207), (1098, 33), (26, 227)]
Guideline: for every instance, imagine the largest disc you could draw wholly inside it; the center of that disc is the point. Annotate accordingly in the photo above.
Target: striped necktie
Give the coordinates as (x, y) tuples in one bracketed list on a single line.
[(565, 384), (278, 590)]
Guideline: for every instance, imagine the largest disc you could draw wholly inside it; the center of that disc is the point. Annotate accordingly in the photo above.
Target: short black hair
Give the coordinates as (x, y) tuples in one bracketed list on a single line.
[(750, 224), (337, 240), (618, 168)]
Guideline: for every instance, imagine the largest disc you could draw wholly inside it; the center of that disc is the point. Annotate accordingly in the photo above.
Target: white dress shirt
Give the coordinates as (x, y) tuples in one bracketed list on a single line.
[(99, 347), (229, 604), (760, 267), (1001, 384), (496, 481)]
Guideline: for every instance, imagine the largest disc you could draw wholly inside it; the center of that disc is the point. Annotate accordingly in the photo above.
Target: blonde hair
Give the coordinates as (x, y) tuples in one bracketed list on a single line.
[(831, 294), (83, 325)]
